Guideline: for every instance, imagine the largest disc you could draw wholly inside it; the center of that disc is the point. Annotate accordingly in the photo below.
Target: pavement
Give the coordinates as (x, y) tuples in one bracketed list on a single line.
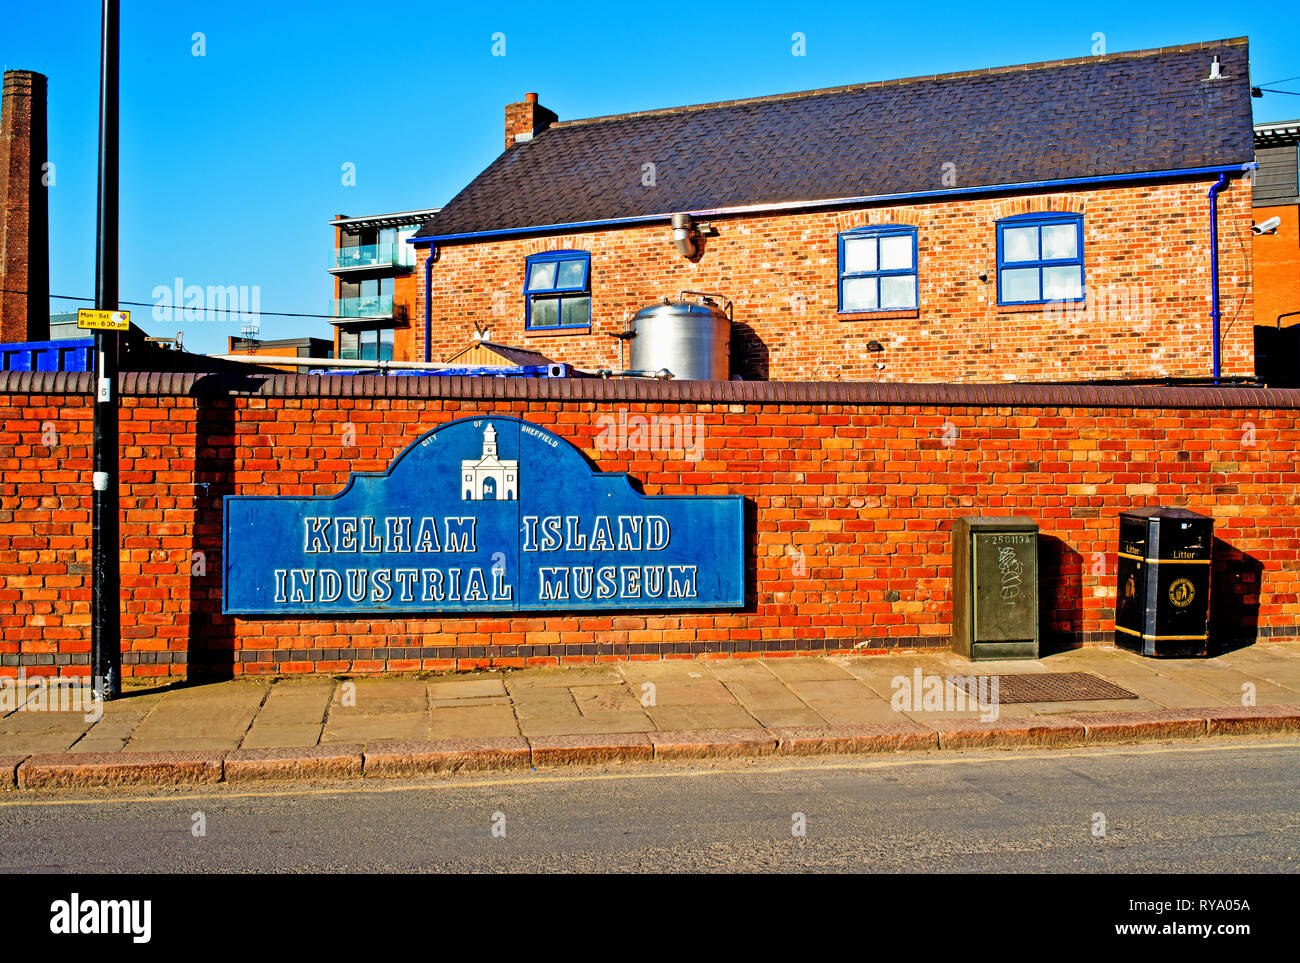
[(625, 712)]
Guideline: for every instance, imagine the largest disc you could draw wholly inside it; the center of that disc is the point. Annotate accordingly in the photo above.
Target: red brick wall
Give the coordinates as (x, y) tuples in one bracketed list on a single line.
[(1146, 261), (850, 502)]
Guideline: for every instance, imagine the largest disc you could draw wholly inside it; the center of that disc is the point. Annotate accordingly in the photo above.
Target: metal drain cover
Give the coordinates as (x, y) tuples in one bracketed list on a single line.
[(1044, 687)]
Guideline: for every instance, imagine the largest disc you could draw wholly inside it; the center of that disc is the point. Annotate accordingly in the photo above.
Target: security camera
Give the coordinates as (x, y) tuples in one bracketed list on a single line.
[(1267, 227)]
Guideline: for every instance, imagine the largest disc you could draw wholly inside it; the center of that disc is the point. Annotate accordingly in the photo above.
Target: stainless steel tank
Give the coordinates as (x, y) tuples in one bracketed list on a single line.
[(691, 338)]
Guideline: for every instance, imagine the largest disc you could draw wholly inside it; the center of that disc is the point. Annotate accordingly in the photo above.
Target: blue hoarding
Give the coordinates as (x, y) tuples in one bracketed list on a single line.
[(483, 515)]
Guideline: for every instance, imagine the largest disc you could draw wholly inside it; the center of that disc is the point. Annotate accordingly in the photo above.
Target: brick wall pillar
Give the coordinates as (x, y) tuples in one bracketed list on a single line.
[(24, 210)]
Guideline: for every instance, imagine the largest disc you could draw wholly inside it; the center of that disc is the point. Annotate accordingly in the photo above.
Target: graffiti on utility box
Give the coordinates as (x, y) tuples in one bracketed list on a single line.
[(483, 514)]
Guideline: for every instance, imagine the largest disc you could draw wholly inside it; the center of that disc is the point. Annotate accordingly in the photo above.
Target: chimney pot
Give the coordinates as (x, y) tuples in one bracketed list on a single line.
[(530, 98)]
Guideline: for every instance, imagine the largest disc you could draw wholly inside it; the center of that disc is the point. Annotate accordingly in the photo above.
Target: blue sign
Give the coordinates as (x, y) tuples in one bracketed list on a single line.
[(483, 515)]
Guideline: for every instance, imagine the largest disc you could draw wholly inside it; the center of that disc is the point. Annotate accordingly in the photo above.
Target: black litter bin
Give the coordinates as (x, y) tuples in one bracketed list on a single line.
[(1162, 602)]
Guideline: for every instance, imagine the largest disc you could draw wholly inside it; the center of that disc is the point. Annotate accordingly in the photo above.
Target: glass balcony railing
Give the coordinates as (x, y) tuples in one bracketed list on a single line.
[(375, 306), (370, 256)]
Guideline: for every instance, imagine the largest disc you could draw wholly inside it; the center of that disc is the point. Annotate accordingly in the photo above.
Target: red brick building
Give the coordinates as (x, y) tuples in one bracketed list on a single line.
[(1036, 223), (373, 294), (1277, 248)]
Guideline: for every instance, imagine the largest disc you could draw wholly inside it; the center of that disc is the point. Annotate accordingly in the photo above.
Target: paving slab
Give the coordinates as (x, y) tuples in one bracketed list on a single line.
[(1231, 684), (405, 725), (806, 670), (469, 721), (118, 728), (1283, 675), (504, 700), (740, 670), (379, 697), (550, 703), (561, 678), (609, 722), (188, 744), (1282, 657), (163, 724), (1014, 711), (604, 698), (1110, 663), (101, 744), (466, 689), (296, 705), (215, 696), (845, 712), (1169, 693), (669, 670), (35, 722), (799, 716), (281, 735), (673, 718), (832, 690), (39, 742), (758, 695), (693, 692)]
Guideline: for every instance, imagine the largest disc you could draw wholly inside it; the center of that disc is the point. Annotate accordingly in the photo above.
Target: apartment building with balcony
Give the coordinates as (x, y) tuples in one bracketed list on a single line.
[(374, 287)]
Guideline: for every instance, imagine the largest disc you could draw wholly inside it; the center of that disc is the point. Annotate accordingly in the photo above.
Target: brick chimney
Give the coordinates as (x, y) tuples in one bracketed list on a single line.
[(525, 120), (24, 210)]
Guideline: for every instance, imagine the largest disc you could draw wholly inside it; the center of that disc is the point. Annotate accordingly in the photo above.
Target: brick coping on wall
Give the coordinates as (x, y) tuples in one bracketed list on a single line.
[(257, 384)]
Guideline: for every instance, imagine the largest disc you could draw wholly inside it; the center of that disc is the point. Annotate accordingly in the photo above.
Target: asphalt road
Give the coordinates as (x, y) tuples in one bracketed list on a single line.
[(1222, 807)]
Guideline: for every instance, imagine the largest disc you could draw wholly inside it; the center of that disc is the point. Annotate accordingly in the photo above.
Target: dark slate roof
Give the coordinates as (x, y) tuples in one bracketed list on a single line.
[(1095, 116)]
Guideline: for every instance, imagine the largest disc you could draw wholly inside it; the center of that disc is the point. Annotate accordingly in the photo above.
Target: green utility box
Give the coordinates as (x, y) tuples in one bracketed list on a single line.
[(1162, 599), (995, 588)]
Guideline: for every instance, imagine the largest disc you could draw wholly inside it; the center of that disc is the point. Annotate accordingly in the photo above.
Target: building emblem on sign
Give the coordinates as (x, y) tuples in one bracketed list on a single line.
[(487, 477), (425, 537)]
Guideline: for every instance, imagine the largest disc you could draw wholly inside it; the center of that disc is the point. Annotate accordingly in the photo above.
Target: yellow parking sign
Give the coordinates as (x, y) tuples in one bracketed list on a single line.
[(104, 320)]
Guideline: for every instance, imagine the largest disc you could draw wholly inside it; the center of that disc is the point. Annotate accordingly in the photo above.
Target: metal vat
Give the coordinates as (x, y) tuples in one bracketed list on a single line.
[(691, 338)]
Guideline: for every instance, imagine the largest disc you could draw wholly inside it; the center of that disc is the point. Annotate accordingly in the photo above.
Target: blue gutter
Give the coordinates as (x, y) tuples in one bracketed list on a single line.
[(836, 202), (1213, 195), (428, 300)]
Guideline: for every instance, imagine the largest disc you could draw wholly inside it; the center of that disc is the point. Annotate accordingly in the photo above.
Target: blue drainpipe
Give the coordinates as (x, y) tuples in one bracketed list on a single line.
[(1213, 195), (434, 251)]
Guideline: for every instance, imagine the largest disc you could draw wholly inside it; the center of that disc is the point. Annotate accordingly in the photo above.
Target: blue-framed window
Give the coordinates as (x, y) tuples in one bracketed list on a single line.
[(1040, 258), (557, 290), (878, 269)]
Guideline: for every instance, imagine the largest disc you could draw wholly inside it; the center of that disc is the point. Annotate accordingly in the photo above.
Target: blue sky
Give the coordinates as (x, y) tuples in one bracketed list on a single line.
[(232, 161)]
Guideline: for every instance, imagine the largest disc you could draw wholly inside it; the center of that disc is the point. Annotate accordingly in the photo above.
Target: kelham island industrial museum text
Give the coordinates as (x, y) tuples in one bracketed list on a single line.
[(397, 535)]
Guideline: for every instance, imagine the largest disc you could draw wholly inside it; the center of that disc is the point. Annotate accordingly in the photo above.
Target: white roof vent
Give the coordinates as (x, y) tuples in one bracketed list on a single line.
[(1214, 70)]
